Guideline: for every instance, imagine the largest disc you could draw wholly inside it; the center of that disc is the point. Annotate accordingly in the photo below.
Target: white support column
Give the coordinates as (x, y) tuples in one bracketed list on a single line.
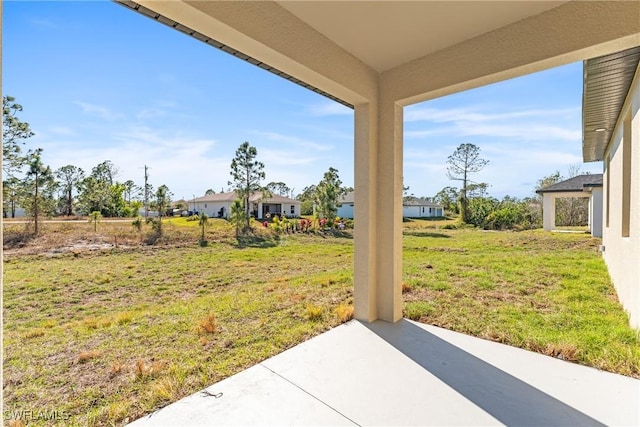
[(378, 213), (548, 211), (389, 183), (365, 214)]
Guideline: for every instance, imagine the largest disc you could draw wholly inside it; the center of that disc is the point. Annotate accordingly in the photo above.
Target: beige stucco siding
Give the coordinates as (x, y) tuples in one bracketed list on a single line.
[(622, 254)]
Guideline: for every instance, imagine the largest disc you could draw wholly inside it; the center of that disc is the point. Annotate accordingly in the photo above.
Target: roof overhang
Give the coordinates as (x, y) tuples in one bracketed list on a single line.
[(606, 83)]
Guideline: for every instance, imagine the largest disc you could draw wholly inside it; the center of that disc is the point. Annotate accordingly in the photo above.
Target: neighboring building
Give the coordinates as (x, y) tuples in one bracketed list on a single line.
[(421, 208), (416, 208), (589, 186), (611, 134), (345, 205), (219, 205)]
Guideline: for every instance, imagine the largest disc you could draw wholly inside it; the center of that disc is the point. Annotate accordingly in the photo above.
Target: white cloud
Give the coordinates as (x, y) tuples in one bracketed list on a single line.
[(470, 114), (44, 23), (62, 130), (97, 110), (330, 108), (293, 141)]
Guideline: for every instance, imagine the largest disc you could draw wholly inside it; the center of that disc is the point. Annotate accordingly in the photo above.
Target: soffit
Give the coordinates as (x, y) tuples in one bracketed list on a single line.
[(386, 34), (607, 80)]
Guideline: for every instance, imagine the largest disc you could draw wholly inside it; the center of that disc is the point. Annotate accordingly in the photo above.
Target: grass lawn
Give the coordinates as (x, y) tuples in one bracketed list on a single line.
[(109, 335)]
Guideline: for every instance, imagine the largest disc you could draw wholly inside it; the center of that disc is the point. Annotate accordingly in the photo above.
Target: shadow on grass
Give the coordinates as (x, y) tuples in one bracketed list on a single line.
[(257, 242), (17, 239), (426, 234)]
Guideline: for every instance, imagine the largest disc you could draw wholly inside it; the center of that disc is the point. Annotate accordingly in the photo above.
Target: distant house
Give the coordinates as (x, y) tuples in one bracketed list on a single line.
[(589, 186), (421, 208), (611, 134), (415, 208), (219, 205), (345, 205)]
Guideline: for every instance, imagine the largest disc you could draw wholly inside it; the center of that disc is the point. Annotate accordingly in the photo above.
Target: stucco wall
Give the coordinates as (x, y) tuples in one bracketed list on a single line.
[(212, 208), (622, 254), (346, 210), (595, 212)]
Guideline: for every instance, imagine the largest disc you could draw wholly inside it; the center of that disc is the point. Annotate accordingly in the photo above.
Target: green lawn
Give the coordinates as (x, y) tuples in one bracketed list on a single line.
[(107, 336)]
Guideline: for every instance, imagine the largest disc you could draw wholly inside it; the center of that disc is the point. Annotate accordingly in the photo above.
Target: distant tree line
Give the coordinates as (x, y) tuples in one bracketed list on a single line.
[(42, 192), (476, 207)]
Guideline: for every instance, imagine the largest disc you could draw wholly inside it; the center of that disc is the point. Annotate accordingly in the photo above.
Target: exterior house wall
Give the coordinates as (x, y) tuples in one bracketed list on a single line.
[(622, 254), (345, 210), (212, 208), (421, 211), (595, 212)]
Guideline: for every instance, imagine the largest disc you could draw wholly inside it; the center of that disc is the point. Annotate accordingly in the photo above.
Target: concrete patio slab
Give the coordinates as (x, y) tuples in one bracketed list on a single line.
[(407, 373)]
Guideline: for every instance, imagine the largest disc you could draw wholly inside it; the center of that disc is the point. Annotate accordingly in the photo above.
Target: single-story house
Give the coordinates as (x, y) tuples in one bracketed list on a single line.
[(219, 205), (611, 134), (579, 186), (421, 208), (415, 208), (345, 205)]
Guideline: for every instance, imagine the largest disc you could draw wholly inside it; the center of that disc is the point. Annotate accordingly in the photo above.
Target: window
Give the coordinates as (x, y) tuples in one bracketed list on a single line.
[(205, 205), (423, 209), (293, 210)]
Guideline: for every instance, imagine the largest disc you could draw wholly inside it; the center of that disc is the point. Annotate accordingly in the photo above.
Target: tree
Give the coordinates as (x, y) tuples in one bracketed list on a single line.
[(328, 192), (70, 177), (12, 190), (278, 188), (163, 201), (39, 186), (247, 173), (99, 192), (237, 215), (14, 131), (463, 162), (95, 217), (129, 190), (209, 192), (448, 197), (307, 199)]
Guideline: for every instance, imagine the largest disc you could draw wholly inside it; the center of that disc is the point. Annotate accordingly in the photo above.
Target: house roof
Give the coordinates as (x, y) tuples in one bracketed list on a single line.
[(421, 202), (577, 183), (349, 198), (607, 80), (231, 196)]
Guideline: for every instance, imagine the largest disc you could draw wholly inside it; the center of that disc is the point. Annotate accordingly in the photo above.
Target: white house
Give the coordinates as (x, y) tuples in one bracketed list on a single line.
[(588, 186), (345, 205), (611, 134), (219, 205), (421, 208), (416, 208)]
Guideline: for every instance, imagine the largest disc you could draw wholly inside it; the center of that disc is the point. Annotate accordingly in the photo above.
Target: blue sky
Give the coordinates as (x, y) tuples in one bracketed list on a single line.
[(99, 82)]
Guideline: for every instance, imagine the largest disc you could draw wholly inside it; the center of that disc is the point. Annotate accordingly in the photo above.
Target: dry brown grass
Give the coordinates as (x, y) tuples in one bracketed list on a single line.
[(34, 333), (344, 312), (85, 356), (143, 369), (207, 325), (314, 312)]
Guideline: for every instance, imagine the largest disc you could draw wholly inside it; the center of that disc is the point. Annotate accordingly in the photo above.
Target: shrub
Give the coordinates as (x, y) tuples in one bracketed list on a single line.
[(314, 312), (207, 324), (344, 312)]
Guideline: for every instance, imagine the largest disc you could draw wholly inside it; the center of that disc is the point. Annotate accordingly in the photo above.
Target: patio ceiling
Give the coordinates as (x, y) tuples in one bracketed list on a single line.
[(607, 80), (396, 32)]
